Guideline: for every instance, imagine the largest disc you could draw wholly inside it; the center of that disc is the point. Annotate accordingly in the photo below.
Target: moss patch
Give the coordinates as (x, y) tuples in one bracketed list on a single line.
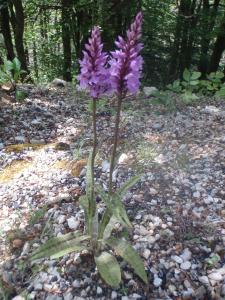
[(16, 167), (75, 167), (20, 147), (62, 164)]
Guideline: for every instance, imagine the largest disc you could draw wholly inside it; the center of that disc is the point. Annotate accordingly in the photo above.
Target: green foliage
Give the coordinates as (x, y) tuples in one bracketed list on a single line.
[(37, 215), (108, 268), (10, 72), (190, 88), (213, 260), (100, 235), (166, 99), (221, 92), (125, 250), (59, 246)]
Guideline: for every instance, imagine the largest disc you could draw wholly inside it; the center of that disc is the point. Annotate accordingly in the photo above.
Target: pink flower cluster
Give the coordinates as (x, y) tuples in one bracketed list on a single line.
[(94, 75), (118, 72)]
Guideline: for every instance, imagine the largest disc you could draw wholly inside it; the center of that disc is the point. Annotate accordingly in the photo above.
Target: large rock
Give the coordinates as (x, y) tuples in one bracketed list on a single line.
[(149, 90), (59, 82)]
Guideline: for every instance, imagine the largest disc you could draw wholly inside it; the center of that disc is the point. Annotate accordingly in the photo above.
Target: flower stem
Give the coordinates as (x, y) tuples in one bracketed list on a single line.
[(115, 143), (94, 142), (92, 204)]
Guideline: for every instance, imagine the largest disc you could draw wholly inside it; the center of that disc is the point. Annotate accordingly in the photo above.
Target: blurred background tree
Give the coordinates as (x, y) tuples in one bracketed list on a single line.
[(48, 36)]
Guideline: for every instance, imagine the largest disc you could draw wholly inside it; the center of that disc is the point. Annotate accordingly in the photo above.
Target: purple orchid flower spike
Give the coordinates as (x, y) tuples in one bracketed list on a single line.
[(126, 62), (94, 76)]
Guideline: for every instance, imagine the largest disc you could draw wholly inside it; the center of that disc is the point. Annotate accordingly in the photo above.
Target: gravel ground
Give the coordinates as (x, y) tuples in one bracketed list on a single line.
[(177, 209)]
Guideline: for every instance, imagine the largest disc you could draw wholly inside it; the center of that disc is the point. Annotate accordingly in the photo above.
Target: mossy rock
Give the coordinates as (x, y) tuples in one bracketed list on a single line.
[(15, 168), (77, 167), (62, 146), (20, 147)]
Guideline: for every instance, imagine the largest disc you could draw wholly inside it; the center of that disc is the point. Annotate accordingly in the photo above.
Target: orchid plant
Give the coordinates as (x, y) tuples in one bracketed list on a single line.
[(118, 73)]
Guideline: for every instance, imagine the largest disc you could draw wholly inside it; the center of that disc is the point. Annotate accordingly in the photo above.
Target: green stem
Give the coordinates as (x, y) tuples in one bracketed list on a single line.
[(92, 204), (115, 143), (94, 144)]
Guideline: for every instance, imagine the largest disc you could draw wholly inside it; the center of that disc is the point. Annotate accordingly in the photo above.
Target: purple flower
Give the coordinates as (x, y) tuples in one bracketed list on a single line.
[(94, 76), (126, 62)]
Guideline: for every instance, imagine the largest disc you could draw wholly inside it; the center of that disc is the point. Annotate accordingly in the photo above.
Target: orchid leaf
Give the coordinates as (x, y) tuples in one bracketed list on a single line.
[(59, 246), (119, 211), (108, 268), (127, 185), (105, 220), (109, 227), (102, 194), (127, 252), (186, 75)]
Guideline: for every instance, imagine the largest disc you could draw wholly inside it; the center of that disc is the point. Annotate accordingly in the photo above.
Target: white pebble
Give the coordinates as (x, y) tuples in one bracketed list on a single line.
[(157, 281), (185, 265)]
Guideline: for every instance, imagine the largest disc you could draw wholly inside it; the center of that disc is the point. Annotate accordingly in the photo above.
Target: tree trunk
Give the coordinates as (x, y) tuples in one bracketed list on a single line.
[(208, 23), (174, 61), (66, 39), (5, 30), (218, 49), (17, 21), (35, 60)]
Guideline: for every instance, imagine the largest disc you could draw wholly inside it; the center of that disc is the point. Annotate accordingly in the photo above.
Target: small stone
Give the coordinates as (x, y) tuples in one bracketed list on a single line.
[(105, 166), (128, 275), (73, 223), (157, 281), (1, 146), (123, 159), (59, 82), (185, 265), (68, 296), (8, 265), (138, 217), (223, 290), (149, 90), (18, 298), (17, 243), (62, 146), (200, 293), (196, 194), (217, 275), (38, 286), (76, 284), (83, 293), (143, 231), (153, 192), (146, 254), (204, 279), (61, 219), (136, 296), (113, 295), (53, 297), (157, 126), (7, 277), (151, 239), (208, 200), (20, 139), (177, 259), (36, 122), (186, 255), (26, 249), (99, 290)]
